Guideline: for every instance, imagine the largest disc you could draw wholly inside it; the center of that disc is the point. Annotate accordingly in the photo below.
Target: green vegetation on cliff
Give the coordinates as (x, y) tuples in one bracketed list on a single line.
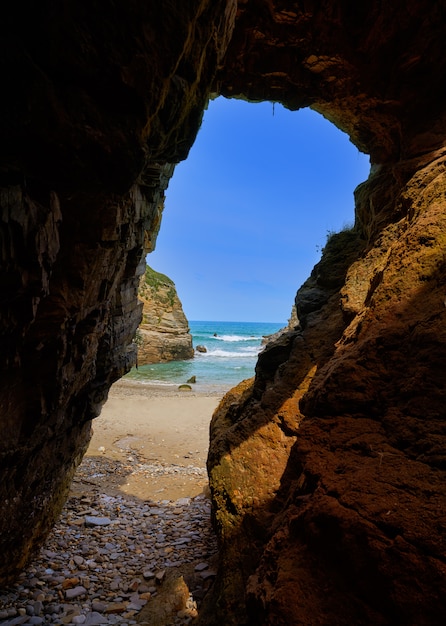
[(163, 334), (155, 279), (156, 282)]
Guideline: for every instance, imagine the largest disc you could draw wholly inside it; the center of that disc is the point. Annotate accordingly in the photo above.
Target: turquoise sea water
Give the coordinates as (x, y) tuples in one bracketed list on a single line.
[(232, 349)]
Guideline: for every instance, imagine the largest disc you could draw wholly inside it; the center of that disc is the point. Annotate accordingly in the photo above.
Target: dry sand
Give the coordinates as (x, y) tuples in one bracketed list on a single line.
[(157, 438)]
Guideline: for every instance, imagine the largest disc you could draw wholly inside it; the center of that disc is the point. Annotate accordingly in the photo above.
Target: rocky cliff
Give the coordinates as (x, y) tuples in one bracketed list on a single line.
[(328, 471), (163, 334), (292, 324), (100, 101)]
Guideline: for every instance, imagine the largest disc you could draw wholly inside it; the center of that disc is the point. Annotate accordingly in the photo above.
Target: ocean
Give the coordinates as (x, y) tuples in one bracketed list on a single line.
[(232, 349)]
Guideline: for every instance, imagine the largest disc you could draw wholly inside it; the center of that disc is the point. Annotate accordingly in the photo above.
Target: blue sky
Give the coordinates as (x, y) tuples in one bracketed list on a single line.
[(247, 213)]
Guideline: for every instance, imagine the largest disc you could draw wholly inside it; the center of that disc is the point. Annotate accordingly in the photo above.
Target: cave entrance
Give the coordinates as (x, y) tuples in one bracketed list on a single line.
[(246, 217), (249, 211)]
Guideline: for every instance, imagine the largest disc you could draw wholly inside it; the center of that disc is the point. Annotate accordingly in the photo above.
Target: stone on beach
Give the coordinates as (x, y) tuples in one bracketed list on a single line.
[(116, 563), (97, 521), (75, 592)]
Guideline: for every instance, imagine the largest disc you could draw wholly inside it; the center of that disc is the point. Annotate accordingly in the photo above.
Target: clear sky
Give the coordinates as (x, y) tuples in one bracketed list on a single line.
[(247, 213)]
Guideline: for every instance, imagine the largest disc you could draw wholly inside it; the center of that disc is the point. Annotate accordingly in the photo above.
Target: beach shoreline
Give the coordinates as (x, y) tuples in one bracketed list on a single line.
[(131, 386), (137, 521), (157, 438)]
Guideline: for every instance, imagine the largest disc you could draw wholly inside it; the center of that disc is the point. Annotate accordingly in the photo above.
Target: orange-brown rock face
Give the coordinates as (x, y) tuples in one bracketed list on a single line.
[(352, 527), (346, 523)]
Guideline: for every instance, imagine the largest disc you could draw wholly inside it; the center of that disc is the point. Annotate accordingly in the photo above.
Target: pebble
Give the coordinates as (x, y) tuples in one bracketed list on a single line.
[(108, 556), (201, 566), (97, 521), (75, 592)]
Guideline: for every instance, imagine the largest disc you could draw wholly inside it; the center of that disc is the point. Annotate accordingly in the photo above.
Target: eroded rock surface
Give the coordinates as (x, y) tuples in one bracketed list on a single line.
[(327, 470), (163, 334), (99, 101), (348, 525)]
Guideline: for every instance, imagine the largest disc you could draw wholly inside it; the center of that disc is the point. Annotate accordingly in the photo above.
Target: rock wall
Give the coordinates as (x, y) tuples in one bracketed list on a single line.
[(163, 334), (327, 471), (99, 101)]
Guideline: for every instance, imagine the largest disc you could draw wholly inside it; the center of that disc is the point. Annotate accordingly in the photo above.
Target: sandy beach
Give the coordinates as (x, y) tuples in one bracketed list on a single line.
[(134, 543), (157, 438)]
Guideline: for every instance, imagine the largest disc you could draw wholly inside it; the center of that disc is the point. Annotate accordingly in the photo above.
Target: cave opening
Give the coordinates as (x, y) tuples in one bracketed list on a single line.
[(246, 217), (248, 212), (260, 223)]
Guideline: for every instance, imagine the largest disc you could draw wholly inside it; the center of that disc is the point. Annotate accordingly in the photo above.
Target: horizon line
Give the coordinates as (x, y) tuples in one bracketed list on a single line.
[(240, 322)]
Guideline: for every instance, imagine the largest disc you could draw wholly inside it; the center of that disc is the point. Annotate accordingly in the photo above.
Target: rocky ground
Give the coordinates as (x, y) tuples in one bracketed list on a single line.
[(110, 557), (119, 558)]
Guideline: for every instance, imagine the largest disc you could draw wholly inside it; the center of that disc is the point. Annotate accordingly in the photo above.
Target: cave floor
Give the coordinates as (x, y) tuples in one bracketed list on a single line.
[(134, 543)]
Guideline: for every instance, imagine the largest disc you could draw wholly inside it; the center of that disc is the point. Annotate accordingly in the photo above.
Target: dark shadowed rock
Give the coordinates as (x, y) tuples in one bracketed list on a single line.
[(101, 103)]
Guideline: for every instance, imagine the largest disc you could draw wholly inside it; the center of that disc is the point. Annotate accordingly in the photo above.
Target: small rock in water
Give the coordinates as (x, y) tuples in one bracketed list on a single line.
[(185, 387)]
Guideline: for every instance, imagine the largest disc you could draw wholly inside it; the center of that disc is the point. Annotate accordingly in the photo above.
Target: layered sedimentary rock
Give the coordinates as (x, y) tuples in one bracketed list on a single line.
[(328, 470), (99, 101), (163, 334)]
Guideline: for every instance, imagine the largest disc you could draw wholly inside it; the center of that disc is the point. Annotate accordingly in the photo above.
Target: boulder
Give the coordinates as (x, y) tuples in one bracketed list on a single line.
[(185, 387)]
